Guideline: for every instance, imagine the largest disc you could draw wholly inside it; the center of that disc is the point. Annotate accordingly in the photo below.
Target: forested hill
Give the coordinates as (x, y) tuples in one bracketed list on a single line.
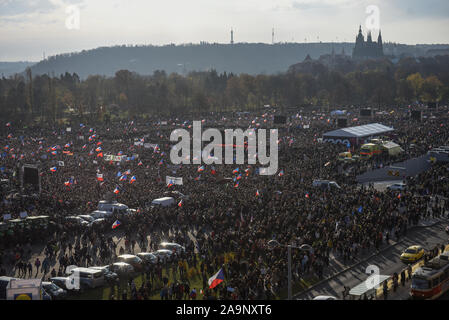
[(251, 58), (9, 68)]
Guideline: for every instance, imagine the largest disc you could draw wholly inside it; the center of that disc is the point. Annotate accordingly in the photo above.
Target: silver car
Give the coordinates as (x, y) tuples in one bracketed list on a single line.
[(147, 257)]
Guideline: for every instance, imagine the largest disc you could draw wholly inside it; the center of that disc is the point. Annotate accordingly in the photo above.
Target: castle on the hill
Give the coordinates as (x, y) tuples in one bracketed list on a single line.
[(368, 49)]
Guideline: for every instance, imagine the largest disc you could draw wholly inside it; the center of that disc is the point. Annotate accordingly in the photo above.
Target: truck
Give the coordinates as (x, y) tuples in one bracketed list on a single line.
[(369, 150)]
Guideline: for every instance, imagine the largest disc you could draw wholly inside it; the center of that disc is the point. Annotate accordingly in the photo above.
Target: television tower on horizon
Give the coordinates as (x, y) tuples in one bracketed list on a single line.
[(272, 36), (232, 36)]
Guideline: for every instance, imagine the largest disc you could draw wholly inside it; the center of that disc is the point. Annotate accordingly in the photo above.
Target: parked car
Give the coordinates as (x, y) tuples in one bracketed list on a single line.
[(87, 217), (174, 247), (89, 278), (109, 275), (164, 254), (324, 298), (147, 257), (46, 295), (97, 222), (100, 214), (397, 186), (163, 202), (133, 260), (325, 184), (113, 207), (65, 283), (77, 220), (54, 291), (122, 269)]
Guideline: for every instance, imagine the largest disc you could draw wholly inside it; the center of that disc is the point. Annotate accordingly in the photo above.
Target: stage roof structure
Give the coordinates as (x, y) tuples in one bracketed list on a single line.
[(368, 130)]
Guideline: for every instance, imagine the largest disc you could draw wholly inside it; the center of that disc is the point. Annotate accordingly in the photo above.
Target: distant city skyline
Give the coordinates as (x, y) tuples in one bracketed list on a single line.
[(28, 28)]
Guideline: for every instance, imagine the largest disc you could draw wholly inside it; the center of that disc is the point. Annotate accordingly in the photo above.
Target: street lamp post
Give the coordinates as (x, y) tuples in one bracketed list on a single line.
[(275, 243), (289, 253)]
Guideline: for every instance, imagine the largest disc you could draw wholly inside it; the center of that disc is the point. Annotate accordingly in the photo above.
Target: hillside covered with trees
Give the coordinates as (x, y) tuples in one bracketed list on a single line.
[(239, 58), (47, 99)]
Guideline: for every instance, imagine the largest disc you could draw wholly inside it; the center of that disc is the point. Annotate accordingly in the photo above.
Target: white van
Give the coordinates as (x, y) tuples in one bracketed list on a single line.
[(90, 278), (164, 202), (112, 207)]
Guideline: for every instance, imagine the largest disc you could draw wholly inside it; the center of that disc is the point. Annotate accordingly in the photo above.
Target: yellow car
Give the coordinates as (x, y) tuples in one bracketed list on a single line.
[(412, 254)]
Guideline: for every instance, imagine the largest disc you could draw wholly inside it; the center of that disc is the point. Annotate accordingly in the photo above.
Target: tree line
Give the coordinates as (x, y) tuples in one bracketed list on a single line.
[(379, 84)]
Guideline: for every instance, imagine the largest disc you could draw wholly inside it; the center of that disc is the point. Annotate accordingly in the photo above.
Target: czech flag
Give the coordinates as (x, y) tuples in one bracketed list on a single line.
[(213, 171), (98, 149), (128, 172), (133, 178), (120, 153), (399, 196), (116, 190), (239, 177), (53, 169), (307, 195), (257, 193), (216, 279), (67, 145), (281, 173), (100, 155), (54, 153), (201, 169), (116, 224), (236, 170), (180, 203), (99, 176), (123, 178), (85, 146), (237, 184), (98, 143), (140, 163), (8, 124)]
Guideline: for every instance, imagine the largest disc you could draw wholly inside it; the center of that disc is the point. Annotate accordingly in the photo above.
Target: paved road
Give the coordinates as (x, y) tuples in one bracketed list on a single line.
[(381, 185), (387, 261)]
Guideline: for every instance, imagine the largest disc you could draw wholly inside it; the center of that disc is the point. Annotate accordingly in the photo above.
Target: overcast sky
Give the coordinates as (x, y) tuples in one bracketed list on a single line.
[(30, 27)]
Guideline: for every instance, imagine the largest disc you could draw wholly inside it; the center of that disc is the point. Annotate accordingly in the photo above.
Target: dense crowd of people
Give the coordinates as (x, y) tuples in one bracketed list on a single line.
[(225, 219)]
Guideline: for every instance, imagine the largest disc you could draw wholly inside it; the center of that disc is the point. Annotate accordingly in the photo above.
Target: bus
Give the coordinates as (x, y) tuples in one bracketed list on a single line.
[(432, 279)]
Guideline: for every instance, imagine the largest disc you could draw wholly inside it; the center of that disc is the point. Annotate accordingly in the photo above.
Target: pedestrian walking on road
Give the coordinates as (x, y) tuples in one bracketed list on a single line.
[(30, 269), (409, 271), (395, 281), (37, 264), (385, 290), (403, 278)]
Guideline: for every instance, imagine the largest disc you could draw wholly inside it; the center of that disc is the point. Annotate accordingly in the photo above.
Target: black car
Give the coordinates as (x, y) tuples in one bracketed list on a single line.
[(54, 291)]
